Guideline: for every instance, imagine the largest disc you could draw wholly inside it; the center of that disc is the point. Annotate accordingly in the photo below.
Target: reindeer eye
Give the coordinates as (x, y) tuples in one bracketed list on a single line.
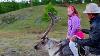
[(42, 42)]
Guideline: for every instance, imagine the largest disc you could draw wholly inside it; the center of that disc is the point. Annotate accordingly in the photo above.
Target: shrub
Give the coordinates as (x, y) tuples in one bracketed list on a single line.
[(8, 6), (97, 1), (48, 8), (11, 6)]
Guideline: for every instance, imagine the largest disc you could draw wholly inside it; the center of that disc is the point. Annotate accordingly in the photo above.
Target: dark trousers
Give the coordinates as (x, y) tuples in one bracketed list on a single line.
[(92, 55)]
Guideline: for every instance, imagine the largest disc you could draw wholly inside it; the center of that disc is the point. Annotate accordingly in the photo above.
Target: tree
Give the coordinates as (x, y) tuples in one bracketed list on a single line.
[(49, 8), (97, 1)]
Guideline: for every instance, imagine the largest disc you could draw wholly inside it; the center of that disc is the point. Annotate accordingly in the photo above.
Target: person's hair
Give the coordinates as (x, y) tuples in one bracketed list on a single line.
[(93, 15), (73, 8)]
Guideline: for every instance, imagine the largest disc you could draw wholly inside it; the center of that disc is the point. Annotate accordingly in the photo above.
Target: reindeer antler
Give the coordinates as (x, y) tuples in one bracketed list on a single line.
[(54, 20)]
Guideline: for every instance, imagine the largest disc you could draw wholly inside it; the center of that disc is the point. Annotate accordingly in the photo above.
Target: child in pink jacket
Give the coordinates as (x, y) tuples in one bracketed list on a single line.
[(73, 28)]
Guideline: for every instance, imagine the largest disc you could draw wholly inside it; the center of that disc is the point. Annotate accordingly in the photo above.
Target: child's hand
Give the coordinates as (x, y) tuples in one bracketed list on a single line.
[(73, 38)]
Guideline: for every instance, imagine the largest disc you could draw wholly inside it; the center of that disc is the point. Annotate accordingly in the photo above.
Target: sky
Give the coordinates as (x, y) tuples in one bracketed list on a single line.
[(14, 0)]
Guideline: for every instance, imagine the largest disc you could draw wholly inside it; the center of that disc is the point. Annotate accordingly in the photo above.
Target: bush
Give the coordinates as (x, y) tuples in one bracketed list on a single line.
[(11, 6), (87, 1), (97, 1), (48, 8), (23, 5), (8, 6), (45, 2)]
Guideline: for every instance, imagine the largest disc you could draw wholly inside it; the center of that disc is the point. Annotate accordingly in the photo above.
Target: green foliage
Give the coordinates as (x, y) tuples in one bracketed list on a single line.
[(48, 8), (97, 1), (45, 2), (36, 2), (53, 1), (72, 1), (23, 5), (11, 6), (87, 1), (7, 6)]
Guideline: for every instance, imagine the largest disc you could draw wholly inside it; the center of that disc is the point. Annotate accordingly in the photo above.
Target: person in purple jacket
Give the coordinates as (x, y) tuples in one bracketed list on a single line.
[(73, 27)]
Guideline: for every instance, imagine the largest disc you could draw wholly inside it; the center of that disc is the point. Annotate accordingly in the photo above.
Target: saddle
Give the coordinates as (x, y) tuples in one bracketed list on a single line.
[(64, 49)]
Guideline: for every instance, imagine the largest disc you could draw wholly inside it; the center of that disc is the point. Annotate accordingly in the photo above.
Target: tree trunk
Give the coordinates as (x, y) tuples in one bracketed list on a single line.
[(31, 3), (99, 2)]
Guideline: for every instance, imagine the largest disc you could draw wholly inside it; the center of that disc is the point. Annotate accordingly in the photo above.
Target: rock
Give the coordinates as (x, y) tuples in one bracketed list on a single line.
[(11, 52)]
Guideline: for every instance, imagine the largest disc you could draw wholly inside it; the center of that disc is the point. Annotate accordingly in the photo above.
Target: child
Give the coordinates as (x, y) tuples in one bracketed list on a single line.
[(73, 28)]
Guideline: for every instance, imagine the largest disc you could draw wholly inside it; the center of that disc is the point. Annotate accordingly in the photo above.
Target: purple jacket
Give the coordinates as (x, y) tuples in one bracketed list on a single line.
[(73, 25)]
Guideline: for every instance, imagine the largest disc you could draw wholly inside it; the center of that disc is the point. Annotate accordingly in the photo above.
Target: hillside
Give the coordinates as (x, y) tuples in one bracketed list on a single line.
[(30, 18)]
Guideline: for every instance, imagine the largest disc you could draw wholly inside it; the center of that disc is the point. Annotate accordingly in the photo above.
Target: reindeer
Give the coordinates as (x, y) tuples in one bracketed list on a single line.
[(53, 47)]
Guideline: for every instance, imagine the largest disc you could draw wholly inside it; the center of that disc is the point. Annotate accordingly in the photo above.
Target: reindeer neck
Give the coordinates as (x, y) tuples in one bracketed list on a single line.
[(48, 29)]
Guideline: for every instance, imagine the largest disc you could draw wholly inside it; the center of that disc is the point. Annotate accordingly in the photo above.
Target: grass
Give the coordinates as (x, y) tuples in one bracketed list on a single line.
[(22, 34)]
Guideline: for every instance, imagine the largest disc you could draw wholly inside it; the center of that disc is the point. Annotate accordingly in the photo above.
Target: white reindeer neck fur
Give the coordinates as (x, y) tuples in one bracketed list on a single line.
[(52, 47)]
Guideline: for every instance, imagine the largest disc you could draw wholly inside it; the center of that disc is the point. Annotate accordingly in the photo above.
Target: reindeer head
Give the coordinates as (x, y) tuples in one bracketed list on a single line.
[(44, 39), (41, 44)]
